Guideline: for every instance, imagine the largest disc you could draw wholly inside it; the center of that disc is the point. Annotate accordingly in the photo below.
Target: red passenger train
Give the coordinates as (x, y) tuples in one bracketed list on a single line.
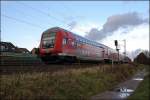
[(58, 44)]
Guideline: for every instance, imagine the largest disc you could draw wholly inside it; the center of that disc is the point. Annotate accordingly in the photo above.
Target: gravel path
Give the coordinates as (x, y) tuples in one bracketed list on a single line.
[(122, 90)]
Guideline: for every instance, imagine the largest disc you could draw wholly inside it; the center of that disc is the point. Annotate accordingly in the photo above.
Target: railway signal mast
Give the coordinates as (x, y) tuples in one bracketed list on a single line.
[(117, 48)]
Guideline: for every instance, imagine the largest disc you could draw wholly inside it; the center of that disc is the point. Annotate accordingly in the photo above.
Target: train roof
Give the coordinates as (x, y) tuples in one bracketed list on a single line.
[(58, 28), (54, 29)]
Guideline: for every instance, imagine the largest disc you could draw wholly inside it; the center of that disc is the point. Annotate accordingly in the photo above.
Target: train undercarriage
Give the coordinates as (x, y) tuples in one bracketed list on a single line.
[(48, 59)]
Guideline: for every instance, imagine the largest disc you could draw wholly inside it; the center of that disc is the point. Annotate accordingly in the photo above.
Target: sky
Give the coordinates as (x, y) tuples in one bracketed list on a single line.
[(22, 22)]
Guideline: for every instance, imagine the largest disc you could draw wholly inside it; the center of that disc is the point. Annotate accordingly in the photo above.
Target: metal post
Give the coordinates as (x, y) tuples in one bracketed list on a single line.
[(112, 63), (124, 49), (118, 55)]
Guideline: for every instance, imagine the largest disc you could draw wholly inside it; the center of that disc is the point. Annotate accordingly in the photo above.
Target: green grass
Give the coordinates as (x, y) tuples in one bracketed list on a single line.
[(143, 91), (66, 84)]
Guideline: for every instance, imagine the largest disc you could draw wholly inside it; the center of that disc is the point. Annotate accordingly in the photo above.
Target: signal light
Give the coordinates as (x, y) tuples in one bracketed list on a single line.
[(116, 43)]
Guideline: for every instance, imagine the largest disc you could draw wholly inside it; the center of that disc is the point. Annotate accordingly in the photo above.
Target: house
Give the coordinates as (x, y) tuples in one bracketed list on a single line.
[(9, 47), (23, 50)]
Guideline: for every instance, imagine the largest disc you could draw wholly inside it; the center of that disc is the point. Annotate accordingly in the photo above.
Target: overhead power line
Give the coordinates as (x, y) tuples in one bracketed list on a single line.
[(47, 14), (42, 12), (25, 14), (22, 21)]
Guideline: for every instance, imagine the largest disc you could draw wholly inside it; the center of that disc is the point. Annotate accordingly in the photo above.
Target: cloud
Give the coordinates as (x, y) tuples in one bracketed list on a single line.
[(136, 38), (115, 22), (81, 28)]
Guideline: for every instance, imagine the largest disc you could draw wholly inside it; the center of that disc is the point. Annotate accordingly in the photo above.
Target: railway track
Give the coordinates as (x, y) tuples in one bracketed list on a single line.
[(42, 68), (19, 63)]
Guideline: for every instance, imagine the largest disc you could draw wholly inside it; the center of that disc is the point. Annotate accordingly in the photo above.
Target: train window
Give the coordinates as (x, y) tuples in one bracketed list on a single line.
[(45, 35), (72, 43), (75, 43), (79, 41), (48, 40), (52, 34), (65, 40), (88, 42), (83, 41)]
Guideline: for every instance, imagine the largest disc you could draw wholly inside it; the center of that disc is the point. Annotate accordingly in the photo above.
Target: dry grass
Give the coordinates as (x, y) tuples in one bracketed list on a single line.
[(66, 84)]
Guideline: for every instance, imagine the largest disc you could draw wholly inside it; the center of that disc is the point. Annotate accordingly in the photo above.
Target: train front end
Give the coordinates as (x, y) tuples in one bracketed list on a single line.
[(50, 45)]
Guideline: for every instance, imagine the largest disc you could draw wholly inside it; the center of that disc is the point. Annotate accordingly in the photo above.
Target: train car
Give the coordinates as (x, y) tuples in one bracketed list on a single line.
[(59, 44)]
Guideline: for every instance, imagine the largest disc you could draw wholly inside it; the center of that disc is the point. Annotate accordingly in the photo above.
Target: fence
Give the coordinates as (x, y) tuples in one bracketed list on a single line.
[(14, 59)]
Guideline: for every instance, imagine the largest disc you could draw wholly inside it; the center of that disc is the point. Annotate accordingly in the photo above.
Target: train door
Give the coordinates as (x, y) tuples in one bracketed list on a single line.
[(68, 43), (107, 53), (103, 53)]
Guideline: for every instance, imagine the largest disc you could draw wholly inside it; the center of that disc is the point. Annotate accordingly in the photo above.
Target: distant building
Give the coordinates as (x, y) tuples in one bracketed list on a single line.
[(142, 59), (23, 50), (9, 47)]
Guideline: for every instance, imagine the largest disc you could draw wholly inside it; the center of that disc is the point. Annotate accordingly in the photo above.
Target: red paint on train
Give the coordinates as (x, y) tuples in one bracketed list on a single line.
[(60, 42)]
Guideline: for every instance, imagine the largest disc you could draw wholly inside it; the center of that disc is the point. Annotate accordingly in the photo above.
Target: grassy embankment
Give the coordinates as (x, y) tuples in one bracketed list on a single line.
[(143, 91), (66, 84)]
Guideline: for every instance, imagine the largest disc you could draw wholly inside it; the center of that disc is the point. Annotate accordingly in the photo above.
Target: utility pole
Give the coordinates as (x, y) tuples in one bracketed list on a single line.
[(124, 49)]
